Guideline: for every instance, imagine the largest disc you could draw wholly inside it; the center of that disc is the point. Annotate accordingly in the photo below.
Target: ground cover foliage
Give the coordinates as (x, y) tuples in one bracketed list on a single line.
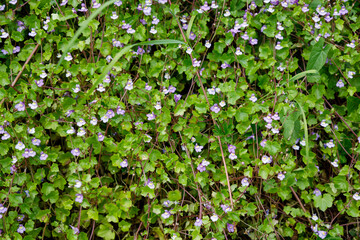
[(179, 119)]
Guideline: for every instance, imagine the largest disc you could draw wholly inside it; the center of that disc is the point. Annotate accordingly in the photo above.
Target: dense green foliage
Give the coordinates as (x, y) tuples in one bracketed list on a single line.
[(179, 119)]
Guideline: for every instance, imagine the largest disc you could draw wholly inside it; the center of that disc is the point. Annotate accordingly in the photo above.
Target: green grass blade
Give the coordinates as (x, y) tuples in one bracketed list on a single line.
[(124, 51), (190, 26), (306, 132), (302, 74), (83, 26)]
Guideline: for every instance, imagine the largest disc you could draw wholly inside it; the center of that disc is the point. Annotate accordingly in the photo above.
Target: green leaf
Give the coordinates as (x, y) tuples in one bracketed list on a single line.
[(323, 202), (4, 79), (317, 59), (174, 195), (272, 147), (106, 232)]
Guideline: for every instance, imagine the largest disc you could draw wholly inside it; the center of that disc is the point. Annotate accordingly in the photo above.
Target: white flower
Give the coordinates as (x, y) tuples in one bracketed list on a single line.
[(19, 146), (32, 33), (324, 123), (81, 122), (77, 184), (335, 163), (114, 16), (189, 50), (129, 85), (93, 121), (71, 130), (303, 142), (153, 30), (356, 196), (314, 217), (227, 13), (158, 106), (253, 98), (214, 217), (31, 130), (43, 74), (101, 88), (207, 44), (266, 159), (81, 132), (68, 57), (33, 105), (222, 103), (330, 144), (351, 74), (281, 176), (245, 182), (295, 147)]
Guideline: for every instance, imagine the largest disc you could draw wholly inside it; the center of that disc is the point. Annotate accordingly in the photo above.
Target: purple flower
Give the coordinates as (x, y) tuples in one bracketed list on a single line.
[(63, 2), (225, 65), (340, 84), (2, 208), (266, 159), (231, 148), (226, 208), (205, 7), (263, 142), (196, 63), (40, 83), (120, 111), (95, 4), (16, 49), (143, 22), (118, 3), (201, 168), (83, 8), (215, 108), (147, 10), (20, 217), (192, 35), (20, 106), (198, 148), (21, 229), (13, 169), (151, 116), (198, 222), (79, 198), (75, 229), (162, 1), (166, 214), (5, 136), (245, 36), (343, 11), (2, 7), (317, 192), (263, 28), (43, 156), (100, 137), (322, 234), (69, 112), (116, 43), (281, 176), (110, 113), (150, 184), (19, 146), (75, 152), (232, 156), (245, 182), (36, 141), (124, 163), (177, 97), (230, 228), (4, 52), (172, 89)]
